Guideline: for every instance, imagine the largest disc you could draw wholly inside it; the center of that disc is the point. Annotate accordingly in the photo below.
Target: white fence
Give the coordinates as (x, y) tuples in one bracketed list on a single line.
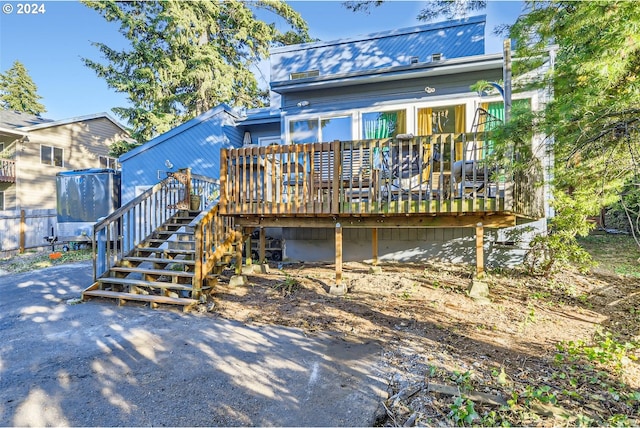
[(25, 229)]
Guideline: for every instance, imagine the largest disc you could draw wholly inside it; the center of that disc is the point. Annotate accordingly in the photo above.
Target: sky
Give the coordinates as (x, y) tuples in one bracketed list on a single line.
[(52, 42)]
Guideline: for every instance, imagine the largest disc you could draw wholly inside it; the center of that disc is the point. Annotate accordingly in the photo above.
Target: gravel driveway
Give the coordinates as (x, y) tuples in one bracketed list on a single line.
[(97, 364)]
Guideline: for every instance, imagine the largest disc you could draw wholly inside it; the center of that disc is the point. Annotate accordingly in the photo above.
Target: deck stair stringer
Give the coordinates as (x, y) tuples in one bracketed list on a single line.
[(160, 269)]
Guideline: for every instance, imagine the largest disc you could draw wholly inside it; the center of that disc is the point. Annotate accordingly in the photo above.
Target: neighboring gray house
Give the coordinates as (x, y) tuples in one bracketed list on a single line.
[(406, 81)]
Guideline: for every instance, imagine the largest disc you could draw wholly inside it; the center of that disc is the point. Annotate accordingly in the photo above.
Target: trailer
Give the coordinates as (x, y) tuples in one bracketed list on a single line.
[(83, 197)]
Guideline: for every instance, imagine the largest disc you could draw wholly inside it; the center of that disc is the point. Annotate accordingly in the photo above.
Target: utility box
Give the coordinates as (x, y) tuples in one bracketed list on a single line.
[(82, 198)]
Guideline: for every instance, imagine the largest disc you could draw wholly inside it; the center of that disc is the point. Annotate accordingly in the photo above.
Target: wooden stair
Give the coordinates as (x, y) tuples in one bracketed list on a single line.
[(159, 270)]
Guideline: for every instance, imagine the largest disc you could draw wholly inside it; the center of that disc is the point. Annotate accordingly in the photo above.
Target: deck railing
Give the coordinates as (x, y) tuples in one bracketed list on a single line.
[(118, 234), (448, 173), (7, 170)]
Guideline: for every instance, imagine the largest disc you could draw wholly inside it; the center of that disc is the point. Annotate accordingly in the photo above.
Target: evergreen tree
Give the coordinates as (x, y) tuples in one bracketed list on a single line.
[(187, 57), (18, 92)]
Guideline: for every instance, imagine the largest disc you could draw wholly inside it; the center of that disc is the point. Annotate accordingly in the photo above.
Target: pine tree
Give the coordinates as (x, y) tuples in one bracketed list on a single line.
[(18, 92), (187, 57)]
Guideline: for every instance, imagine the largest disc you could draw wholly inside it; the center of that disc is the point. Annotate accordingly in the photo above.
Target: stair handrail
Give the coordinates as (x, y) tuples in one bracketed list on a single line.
[(117, 234), (214, 236)]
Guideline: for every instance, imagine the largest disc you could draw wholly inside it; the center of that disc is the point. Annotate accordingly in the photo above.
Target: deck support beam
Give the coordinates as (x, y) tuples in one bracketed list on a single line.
[(479, 250), (247, 247), (263, 245), (374, 246), (238, 251), (338, 289)]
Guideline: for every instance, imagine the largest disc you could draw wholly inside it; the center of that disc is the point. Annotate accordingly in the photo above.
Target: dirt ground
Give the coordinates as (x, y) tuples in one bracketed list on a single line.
[(544, 351)]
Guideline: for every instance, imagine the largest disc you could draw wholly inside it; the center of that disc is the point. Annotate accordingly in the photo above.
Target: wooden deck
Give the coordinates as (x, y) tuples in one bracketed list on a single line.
[(435, 181)]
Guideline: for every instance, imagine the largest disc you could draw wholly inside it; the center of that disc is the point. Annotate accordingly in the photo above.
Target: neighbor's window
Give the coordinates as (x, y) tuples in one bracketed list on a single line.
[(51, 155), (386, 124), (323, 129), (1, 201), (108, 162)]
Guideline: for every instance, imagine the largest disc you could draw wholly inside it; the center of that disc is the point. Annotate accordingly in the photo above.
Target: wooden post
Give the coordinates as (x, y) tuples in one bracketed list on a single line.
[(479, 249), (247, 247), (374, 246), (337, 174), (223, 180), (338, 254), (238, 251), (198, 278), (263, 244), (506, 77), (23, 228)]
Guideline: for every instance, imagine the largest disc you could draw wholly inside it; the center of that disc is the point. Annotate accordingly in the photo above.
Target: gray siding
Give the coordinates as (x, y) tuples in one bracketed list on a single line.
[(360, 96), (454, 245)]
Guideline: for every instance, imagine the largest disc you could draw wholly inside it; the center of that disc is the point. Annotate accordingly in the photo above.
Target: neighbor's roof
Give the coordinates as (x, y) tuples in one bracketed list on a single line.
[(402, 47), (14, 119), (25, 122)]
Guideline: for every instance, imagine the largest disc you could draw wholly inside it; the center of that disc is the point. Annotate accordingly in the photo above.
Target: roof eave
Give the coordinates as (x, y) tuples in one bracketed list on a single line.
[(102, 115)]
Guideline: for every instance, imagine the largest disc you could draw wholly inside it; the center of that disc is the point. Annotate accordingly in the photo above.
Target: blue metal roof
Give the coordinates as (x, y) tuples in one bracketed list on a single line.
[(451, 39)]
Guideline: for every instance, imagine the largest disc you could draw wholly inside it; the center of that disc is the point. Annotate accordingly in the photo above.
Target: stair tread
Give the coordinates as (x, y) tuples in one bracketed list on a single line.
[(159, 260), (165, 250), (142, 297), (174, 232), (167, 272), (143, 283), (182, 241)]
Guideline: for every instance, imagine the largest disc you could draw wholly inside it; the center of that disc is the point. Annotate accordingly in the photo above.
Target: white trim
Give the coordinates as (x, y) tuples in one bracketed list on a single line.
[(267, 141), (318, 116)]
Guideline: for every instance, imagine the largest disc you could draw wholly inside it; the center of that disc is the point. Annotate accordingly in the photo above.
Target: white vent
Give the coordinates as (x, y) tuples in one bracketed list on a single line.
[(414, 60), (304, 74), (436, 57)]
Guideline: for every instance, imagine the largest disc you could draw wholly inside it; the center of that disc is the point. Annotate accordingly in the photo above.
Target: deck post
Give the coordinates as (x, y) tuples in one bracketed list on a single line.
[(374, 245), (374, 269), (247, 247), (263, 244), (337, 174), (238, 251), (479, 250), (338, 289), (223, 179)]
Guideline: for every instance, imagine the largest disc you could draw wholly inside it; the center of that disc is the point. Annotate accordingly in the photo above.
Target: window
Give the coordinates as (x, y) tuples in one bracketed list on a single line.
[(268, 141), (1, 200), (108, 162), (386, 124), (51, 155), (320, 130), (441, 120)]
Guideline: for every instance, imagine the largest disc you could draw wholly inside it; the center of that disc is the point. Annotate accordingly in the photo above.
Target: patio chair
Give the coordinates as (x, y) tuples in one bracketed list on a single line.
[(406, 172)]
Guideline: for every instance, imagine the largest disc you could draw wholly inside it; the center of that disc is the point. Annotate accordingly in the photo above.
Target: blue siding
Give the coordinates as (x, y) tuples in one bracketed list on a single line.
[(453, 39), (193, 144)]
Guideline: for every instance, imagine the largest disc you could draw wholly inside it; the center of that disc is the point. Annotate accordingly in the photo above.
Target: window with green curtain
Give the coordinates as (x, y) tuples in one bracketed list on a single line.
[(496, 118), (384, 124)]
